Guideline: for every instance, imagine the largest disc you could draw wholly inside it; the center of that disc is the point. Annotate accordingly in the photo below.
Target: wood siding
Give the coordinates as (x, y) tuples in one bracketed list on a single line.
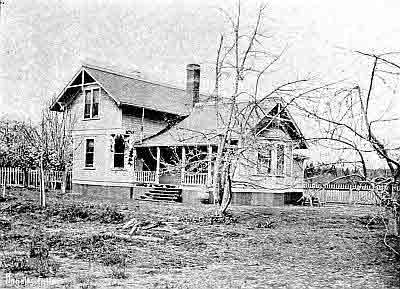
[(133, 123), (110, 116), (292, 171), (109, 122)]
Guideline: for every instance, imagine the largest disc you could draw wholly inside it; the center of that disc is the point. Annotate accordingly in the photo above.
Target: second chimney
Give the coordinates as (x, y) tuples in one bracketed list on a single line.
[(193, 82)]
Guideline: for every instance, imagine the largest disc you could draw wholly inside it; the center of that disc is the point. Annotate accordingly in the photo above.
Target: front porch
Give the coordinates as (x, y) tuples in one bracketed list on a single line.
[(179, 166)]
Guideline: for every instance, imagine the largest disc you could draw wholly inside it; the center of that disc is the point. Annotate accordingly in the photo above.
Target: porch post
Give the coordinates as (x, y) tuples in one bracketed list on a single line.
[(183, 164), (209, 171), (158, 166)]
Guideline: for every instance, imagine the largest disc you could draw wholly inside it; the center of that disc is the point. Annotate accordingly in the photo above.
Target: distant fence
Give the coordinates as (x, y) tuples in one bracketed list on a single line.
[(346, 193), (17, 177)]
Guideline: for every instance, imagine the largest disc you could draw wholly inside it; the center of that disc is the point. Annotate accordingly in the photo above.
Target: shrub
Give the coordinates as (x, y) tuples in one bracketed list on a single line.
[(83, 212), (110, 215)]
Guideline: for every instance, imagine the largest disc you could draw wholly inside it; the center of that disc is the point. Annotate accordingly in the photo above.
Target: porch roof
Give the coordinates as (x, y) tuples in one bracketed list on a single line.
[(200, 127)]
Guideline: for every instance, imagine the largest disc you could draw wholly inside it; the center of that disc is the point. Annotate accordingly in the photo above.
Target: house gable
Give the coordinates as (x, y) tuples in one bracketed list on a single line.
[(127, 90), (279, 124)]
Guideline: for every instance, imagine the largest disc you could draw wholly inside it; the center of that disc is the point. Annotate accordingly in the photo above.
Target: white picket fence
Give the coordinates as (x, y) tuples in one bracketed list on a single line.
[(17, 177), (346, 193)]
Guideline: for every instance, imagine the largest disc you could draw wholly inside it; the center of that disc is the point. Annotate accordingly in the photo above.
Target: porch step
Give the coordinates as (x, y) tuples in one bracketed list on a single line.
[(163, 194), (166, 191)]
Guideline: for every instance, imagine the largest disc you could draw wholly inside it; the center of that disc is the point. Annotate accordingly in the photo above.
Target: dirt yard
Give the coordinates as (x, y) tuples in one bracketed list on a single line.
[(82, 243)]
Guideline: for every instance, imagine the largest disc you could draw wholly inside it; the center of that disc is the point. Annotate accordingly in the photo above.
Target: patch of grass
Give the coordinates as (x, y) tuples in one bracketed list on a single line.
[(20, 207), (86, 281), (22, 262), (117, 263), (5, 225), (17, 262), (71, 213)]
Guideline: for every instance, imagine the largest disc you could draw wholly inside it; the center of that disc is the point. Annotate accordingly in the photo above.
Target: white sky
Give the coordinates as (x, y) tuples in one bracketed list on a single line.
[(43, 42)]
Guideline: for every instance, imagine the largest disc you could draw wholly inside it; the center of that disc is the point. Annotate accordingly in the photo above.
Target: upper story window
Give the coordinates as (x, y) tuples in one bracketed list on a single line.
[(92, 97), (119, 152), (89, 153), (264, 162)]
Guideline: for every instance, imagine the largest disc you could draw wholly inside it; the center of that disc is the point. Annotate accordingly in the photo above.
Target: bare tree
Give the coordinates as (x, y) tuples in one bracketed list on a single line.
[(52, 141), (241, 65), (348, 121)]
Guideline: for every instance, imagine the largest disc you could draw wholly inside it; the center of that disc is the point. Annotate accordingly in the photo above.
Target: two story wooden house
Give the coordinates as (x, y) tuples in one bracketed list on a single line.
[(136, 138)]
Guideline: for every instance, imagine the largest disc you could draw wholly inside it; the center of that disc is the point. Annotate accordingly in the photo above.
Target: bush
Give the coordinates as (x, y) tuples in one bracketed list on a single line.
[(82, 212), (110, 215)]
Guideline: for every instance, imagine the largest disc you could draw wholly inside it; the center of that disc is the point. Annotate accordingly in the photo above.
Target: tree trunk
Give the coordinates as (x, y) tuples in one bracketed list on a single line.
[(26, 177), (217, 175), (397, 213), (394, 216), (64, 181), (227, 195), (42, 186), (4, 189)]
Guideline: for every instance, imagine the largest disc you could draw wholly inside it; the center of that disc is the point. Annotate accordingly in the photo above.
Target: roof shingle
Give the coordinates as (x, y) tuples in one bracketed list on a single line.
[(143, 93)]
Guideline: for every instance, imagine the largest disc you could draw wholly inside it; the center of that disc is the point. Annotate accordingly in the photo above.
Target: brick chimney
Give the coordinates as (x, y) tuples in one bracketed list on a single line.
[(193, 82)]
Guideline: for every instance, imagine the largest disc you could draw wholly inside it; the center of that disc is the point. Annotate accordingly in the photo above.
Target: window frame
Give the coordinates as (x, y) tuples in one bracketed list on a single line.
[(91, 89), (261, 167), (119, 153), (86, 153), (277, 173)]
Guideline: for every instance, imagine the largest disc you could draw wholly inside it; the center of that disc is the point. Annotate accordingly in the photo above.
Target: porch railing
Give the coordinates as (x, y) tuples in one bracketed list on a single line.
[(145, 176), (195, 178)]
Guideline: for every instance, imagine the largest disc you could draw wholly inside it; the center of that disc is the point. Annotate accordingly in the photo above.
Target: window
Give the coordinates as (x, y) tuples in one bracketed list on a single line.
[(119, 149), (264, 162), (89, 157), (91, 103), (280, 159)]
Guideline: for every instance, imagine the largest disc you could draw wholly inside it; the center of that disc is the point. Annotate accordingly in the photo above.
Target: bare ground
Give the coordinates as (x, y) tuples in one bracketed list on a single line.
[(256, 247)]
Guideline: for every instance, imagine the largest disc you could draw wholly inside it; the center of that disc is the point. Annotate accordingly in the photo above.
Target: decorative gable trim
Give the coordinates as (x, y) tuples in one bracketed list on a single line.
[(58, 104)]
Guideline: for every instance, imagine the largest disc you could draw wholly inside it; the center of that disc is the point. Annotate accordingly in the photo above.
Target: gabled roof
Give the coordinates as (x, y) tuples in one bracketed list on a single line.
[(207, 121), (133, 90)]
